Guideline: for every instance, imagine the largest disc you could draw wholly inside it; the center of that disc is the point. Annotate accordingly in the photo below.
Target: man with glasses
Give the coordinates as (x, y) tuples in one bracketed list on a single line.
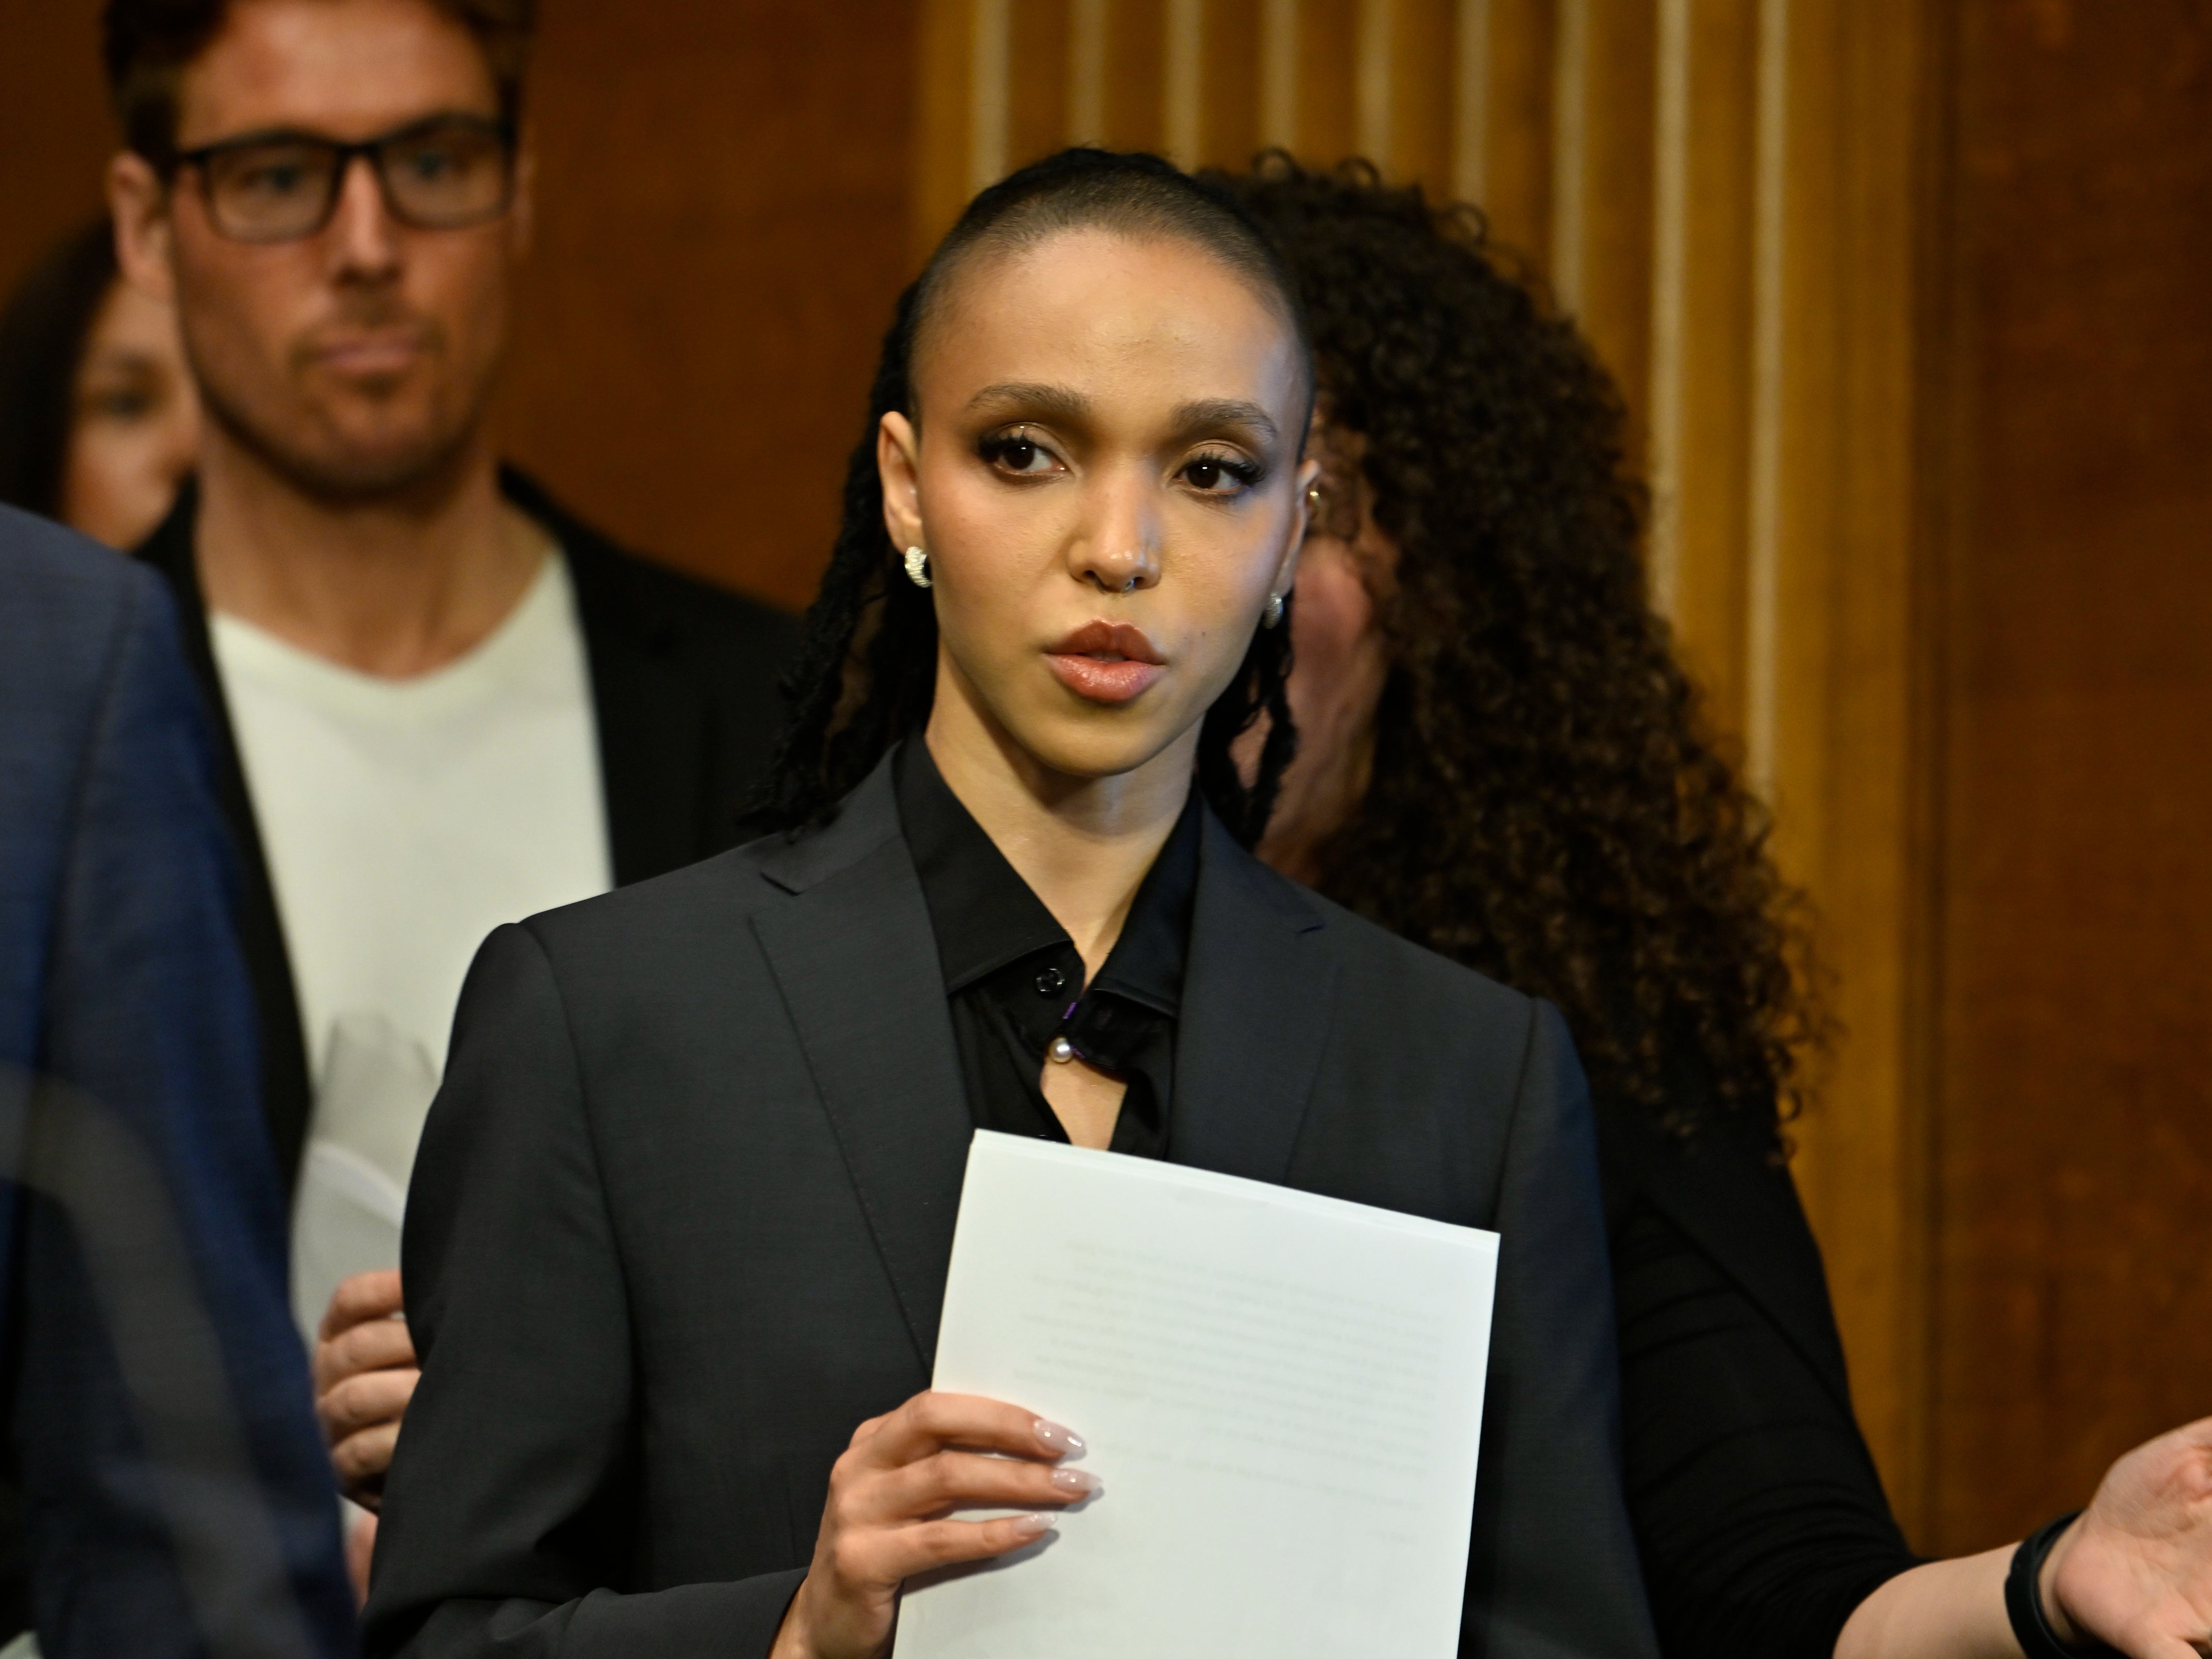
[(447, 704)]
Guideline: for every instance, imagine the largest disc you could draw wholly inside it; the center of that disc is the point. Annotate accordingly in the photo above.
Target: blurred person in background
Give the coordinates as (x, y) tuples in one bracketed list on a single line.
[(98, 417), (1500, 759), (446, 704), (168, 1490)]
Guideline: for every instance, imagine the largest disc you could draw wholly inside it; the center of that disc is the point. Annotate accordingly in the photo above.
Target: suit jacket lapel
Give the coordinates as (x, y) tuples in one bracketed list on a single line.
[(856, 960), (653, 728), (1258, 987), (287, 1089)]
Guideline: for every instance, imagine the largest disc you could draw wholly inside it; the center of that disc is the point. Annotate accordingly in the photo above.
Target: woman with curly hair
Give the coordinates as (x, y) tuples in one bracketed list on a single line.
[(1499, 758)]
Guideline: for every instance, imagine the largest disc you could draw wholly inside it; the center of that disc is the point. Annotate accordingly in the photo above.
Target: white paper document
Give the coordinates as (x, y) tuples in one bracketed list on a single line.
[(1280, 1394)]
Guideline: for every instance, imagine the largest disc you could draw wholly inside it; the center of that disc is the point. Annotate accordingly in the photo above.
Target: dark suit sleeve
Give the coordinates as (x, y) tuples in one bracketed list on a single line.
[(511, 1511), (178, 1499), (1552, 1571)]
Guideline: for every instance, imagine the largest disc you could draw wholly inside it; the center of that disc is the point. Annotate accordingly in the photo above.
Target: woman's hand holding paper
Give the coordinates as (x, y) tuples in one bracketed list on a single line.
[(891, 1496)]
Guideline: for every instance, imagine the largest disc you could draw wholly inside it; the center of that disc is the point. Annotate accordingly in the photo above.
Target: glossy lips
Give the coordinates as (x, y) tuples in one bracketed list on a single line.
[(1106, 662)]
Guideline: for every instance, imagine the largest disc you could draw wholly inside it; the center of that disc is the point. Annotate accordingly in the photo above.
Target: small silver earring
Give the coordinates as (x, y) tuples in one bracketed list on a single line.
[(917, 567), (1273, 616)]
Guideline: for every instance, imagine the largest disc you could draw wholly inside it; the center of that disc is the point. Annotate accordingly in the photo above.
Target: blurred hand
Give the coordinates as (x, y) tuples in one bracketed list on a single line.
[(360, 1550), (365, 1374), (2135, 1569), (889, 1495)]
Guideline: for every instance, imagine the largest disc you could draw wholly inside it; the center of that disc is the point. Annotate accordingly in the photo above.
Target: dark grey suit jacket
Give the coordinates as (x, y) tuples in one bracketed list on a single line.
[(682, 1213)]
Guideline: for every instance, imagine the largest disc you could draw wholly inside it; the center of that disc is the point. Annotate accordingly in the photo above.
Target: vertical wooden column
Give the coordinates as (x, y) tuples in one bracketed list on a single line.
[(1516, 122), (1701, 288), (1835, 655), (1604, 126)]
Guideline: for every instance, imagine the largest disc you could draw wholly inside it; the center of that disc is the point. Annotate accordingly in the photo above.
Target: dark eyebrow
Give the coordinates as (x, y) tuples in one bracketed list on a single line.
[(290, 135), (1210, 415), (1065, 402), (1192, 420)]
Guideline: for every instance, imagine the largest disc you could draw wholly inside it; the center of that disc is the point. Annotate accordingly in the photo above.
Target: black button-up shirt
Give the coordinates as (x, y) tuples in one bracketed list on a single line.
[(1015, 979)]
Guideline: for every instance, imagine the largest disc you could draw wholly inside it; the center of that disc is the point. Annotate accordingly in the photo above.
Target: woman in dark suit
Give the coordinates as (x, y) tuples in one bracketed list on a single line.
[(1500, 759), (680, 1226)]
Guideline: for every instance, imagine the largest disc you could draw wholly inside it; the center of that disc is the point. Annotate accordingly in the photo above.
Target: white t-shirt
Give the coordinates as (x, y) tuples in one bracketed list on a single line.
[(402, 821)]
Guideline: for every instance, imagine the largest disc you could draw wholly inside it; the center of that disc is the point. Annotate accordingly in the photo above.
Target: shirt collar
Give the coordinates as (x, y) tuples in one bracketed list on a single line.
[(1146, 964), (985, 916)]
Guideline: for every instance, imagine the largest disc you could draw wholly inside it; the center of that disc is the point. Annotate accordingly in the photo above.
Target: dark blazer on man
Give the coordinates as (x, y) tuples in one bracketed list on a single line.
[(684, 1210), (172, 1490), (683, 692)]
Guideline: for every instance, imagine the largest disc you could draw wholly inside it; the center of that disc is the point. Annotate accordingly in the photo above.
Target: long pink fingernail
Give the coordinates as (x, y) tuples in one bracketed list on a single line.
[(1066, 1443), (1033, 1523), (1081, 1482)]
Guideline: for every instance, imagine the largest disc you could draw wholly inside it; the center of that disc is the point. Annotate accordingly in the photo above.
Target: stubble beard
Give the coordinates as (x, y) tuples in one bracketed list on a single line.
[(318, 458)]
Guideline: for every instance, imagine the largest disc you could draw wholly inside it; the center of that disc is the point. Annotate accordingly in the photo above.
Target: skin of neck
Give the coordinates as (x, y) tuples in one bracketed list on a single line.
[(1083, 844), (395, 585)]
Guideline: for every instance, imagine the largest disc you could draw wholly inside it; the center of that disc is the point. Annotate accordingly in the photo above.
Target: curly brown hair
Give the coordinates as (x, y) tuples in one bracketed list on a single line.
[(1545, 804)]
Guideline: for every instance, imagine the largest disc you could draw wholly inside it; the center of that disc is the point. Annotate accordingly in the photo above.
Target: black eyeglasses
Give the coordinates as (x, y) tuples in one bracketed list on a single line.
[(443, 174)]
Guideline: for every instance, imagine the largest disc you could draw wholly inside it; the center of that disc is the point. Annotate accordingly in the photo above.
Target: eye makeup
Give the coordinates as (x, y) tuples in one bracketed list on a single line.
[(1204, 471), (1013, 450)]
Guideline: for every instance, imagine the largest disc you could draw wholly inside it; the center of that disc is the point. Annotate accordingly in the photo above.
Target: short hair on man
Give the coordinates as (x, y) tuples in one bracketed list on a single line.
[(146, 45)]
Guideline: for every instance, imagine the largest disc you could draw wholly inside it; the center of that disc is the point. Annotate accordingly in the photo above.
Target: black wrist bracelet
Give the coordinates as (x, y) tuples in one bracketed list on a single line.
[(2031, 1625)]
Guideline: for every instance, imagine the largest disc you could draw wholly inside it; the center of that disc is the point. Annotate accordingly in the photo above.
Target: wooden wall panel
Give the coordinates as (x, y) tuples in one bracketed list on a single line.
[(2075, 1279), (1514, 184), (1041, 38), (726, 199), (1328, 36), (945, 140), (1611, 285), (1703, 300), (1136, 59), (1229, 94), (56, 133), (1836, 655), (1403, 100)]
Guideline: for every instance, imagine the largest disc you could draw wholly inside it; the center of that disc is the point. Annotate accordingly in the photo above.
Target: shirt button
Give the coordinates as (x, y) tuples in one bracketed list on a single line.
[(1062, 1050), (1050, 981)]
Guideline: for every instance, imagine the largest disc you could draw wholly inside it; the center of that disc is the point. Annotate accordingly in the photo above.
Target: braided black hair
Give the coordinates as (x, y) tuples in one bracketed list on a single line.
[(867, 669)]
